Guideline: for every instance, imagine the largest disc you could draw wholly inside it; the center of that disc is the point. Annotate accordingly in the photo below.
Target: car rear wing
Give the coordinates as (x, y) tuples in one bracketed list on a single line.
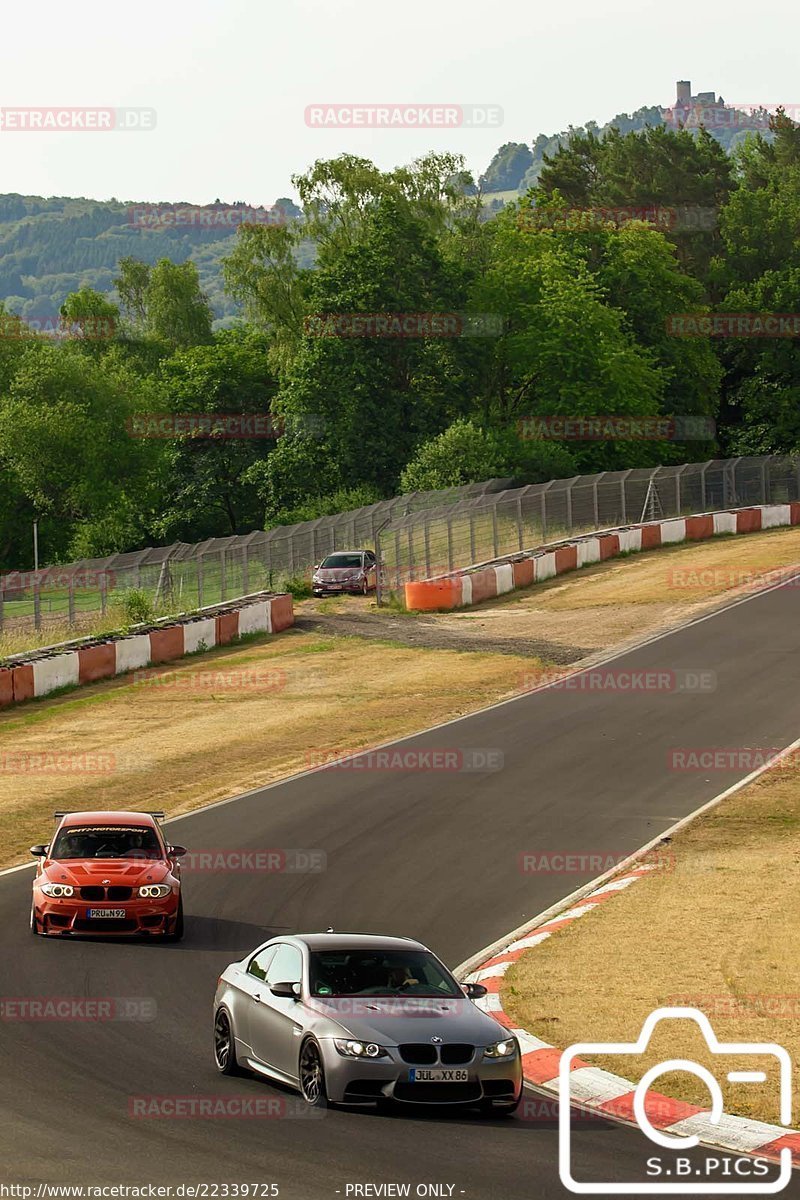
[(158, 816)]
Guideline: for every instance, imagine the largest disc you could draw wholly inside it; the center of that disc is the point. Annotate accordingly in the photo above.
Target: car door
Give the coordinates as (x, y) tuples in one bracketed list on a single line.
[(250, 987), (274, 1030)]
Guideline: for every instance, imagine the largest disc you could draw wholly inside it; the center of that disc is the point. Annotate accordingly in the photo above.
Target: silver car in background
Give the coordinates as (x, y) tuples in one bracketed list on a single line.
[(356, 1018)]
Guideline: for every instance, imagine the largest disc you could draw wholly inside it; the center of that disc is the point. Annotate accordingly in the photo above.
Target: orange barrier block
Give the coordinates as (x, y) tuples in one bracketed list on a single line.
[(523, 572), (651, 536), (427, 595), (484, 585), (794, 514), (166, 644), (609, 546), (97, 662), (6, 688), (699, 528), (748, 520), (227, 627), (23, 683), (281, 613), (566, 559)]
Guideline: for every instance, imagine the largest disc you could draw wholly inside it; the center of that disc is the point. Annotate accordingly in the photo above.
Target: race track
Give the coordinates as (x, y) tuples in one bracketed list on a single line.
[(431, 854)]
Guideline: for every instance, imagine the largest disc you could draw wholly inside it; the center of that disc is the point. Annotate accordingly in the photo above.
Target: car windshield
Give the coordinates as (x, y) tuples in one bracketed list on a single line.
[(379, 973), (107, 841), (341, 560)]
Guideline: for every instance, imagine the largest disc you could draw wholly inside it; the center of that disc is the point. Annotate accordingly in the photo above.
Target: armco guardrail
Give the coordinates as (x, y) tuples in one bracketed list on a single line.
[(28, 676), (484, 581)]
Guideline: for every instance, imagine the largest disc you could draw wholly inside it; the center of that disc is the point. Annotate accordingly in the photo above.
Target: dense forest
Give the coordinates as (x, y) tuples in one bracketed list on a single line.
[(583, 298)]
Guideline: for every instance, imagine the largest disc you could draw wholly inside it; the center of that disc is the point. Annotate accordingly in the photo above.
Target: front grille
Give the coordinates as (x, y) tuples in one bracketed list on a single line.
[(443, 1093), (106, 926), (418, 1052), (93, 893), (101, 893), (456, 1052)]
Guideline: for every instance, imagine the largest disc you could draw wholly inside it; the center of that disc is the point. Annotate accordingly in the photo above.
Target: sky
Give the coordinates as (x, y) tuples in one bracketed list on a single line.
[(230, 82)]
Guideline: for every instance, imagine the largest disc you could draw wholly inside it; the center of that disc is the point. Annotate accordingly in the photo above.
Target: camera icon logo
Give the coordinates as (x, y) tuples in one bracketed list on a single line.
[(674, 1141)]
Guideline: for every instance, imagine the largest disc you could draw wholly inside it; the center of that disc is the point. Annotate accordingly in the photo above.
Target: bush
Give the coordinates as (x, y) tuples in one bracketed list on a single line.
[(137, 606), (468, 453)]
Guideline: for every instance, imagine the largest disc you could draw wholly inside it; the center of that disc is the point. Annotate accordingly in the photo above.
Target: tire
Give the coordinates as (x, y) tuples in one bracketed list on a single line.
[(224, 1044), (312, 1076), (177, 932)]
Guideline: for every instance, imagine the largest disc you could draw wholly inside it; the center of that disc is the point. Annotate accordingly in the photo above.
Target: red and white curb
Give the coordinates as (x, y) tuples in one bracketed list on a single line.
[(602, 1092)]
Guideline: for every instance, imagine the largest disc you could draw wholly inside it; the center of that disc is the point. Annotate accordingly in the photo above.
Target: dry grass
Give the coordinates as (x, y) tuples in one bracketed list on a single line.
[(188, 743), (715, 932), (610, 602)]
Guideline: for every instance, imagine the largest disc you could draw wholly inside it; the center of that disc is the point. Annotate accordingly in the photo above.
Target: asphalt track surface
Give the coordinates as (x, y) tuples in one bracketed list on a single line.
[(430, 854)]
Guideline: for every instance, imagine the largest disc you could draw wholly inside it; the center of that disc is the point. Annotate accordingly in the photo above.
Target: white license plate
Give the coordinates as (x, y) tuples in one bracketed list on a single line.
[(438, 1075), (99, 914)]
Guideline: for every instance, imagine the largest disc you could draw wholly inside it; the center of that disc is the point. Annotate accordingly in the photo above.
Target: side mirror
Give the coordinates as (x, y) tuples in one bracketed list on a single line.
[(177, 851), (39, 851), (290, 990), (474, 991)]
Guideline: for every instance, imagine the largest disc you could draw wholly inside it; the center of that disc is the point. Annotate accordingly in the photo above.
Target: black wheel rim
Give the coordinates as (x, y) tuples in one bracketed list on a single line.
[(222, 1040), (311, 1073)]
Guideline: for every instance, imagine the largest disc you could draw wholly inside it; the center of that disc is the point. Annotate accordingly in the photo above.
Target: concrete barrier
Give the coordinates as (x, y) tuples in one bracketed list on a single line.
[(227, 627), (166, 644), (281, 614), (699, 528), (725, 522), (6, 687), (50, 674), (673, 531), (748, 520), (774, 515), (504, 577), (23, 683), (97, 662), (199, 634), (133, 653)]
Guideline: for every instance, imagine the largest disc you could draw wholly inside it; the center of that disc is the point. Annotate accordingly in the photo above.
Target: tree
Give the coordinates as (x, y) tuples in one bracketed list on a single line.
[(165, 302), (507, 169), (466, 453)]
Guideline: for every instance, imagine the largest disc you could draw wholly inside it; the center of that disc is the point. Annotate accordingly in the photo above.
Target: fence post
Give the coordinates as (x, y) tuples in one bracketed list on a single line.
[(623, 500), (520, 536), (397, 579), (200, 582), (410, 541), (245, 570), (223, 582), (472, 535), (703, 493), (569, 508), (449, 542), (427, 536), (103, 592), (71, 598), (595, 503), (544, 516), (37, 604), (494, 530)]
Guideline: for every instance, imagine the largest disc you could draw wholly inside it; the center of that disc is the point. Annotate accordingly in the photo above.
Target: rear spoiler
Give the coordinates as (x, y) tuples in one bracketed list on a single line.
[(159, 816)]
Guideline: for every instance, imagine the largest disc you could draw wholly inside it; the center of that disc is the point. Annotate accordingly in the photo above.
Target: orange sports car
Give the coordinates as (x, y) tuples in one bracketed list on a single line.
[(108, 873)]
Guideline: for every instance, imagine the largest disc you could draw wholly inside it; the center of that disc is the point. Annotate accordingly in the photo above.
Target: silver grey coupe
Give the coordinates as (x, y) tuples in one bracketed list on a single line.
[(355, 1018)]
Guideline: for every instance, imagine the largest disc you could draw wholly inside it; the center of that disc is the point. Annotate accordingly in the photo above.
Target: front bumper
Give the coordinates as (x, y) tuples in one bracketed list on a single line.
[(65, 917), (363, 1080), (349, 588)]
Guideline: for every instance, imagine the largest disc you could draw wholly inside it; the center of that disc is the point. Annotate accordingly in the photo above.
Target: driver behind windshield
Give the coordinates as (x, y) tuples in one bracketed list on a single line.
[(365, 973), (112, 841)]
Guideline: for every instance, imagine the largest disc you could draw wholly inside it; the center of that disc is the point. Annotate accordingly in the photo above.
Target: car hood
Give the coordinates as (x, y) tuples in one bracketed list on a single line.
[(337, 574), (408, 1019), (80, 872)]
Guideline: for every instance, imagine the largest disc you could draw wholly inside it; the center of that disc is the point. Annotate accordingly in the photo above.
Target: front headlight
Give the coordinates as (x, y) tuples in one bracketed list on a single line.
[(155, 891), (57, 890), (505, 1049), (353, 1049)]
